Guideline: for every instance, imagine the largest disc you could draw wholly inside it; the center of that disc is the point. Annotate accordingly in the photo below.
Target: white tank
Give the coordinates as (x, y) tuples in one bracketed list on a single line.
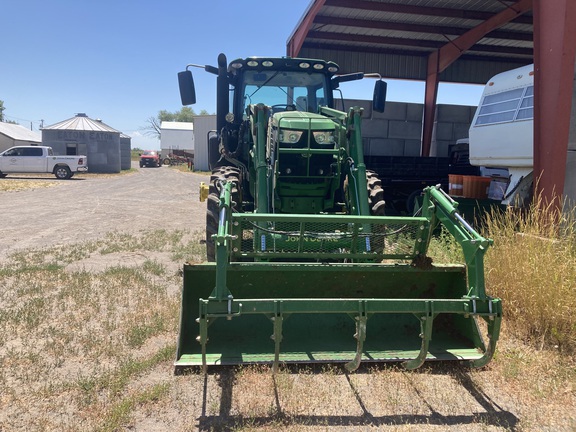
[(501, 134)]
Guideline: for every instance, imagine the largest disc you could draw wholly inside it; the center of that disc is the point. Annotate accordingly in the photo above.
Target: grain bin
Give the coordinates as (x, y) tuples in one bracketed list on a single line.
[(125, 152), (81, 135)]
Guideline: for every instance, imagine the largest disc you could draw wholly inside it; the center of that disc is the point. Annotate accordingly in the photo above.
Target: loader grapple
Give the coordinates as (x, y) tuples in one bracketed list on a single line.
[(337, 288)]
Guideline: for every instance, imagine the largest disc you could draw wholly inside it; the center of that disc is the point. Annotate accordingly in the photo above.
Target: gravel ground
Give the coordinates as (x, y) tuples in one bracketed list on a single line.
[(87, 207)]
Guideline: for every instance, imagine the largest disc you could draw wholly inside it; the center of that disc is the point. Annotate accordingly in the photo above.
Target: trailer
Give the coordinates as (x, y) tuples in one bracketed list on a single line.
[(501, 134)]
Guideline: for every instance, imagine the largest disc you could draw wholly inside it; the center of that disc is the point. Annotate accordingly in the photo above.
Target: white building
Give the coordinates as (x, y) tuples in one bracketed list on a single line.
[(14, 135), (176, 136)]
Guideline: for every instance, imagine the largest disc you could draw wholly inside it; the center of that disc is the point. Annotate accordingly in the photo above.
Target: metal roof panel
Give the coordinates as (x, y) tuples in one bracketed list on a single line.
[(82, 122), (392, 29), (18, 132)]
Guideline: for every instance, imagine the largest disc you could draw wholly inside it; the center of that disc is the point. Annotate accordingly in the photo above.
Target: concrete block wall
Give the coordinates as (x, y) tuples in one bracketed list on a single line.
[(451, 123), (398, 130)]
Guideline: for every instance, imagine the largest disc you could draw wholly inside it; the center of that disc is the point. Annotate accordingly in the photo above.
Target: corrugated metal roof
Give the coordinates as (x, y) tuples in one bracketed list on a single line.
[(81, 122), (19, 133), (395, 37), (177, 125)]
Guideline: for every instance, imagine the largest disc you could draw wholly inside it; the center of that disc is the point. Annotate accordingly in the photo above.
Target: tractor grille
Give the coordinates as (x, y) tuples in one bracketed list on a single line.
[(328, 237)]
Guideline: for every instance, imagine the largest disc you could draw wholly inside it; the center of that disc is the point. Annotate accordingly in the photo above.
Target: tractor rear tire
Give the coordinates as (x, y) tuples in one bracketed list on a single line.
[(227, 173)]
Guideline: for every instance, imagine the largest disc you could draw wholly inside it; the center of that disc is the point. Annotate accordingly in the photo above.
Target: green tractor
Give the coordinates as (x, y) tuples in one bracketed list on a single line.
[(303, 265)]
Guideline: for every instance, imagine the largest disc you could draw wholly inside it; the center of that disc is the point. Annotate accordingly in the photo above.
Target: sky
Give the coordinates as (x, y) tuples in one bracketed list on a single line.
[(117, 60)]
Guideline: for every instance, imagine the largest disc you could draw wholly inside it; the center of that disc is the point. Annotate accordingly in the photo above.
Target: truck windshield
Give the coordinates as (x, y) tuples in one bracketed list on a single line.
[(301, 91)]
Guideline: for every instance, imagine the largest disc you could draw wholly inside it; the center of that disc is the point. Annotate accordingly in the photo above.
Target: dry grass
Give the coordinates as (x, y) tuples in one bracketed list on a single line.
[(87, 340), (8, 185), (27, 181), (71, 341), (532, 267)]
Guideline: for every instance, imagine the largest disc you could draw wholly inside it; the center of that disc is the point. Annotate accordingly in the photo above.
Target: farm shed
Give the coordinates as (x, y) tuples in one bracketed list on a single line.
[(176, 136), (13, 135), (202, 125), (81, 135), (125, 149)]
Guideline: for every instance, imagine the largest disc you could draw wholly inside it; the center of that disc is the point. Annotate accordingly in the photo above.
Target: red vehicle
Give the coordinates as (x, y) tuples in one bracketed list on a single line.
[(150, 158)]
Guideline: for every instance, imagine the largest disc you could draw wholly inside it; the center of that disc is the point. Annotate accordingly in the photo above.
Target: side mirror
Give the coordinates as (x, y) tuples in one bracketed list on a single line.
[(187, 90), (379, 99)]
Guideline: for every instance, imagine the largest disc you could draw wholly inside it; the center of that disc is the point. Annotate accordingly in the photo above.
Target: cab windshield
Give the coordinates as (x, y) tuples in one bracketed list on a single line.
[(285, 90)]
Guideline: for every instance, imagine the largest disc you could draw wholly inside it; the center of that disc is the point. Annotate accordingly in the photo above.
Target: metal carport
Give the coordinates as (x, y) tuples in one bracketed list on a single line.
[(465, 41)]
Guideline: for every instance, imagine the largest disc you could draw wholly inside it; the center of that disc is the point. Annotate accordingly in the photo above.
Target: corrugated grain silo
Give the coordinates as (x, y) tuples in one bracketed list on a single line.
[(125, 152), (81, 135)]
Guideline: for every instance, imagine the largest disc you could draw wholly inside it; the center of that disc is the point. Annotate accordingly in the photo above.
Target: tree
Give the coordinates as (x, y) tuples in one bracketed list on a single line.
[(186, 114), (2, 118)]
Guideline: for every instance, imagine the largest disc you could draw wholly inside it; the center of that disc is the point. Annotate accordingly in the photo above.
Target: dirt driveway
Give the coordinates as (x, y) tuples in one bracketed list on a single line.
[(87, 207)]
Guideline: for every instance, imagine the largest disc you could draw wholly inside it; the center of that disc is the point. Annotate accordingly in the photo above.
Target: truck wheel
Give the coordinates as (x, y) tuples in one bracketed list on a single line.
[(62, 172), (166, 161), (213, 206)]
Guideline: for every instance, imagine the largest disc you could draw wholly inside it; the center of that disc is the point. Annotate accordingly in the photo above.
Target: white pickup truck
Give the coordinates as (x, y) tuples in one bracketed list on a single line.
[(40, 159)]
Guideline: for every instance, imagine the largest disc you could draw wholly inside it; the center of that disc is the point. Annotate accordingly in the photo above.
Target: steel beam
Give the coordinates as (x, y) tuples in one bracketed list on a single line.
[(297, 38), (449, 53), (430, 96), (554, 53), (404, 42)]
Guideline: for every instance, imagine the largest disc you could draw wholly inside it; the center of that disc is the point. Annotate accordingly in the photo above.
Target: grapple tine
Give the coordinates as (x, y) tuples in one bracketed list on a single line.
[(426, 335), (277, 338), (494, 323), (203, 337), (360, 337)]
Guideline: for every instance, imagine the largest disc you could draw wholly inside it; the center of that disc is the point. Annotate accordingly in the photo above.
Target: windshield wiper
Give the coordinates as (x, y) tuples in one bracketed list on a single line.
[(265, 82)]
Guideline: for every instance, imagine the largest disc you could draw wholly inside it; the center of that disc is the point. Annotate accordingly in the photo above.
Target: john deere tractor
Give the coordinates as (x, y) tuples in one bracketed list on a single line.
[(303, 264)]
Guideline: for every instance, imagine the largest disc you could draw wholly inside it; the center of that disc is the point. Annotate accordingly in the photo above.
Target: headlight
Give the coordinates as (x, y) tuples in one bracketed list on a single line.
[(324, 137), (289, 136)]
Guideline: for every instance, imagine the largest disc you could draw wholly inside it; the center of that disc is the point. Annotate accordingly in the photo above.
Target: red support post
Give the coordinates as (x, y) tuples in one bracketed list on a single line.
[(297, 39), (554, 54), (431, 92)]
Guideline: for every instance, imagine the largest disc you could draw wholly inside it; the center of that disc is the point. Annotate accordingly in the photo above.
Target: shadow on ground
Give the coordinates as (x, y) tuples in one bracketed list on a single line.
[(493, 415)]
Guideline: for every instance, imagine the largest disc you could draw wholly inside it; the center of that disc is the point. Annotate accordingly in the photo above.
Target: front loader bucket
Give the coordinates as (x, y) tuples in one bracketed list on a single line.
[(393, 305), (319, 306)]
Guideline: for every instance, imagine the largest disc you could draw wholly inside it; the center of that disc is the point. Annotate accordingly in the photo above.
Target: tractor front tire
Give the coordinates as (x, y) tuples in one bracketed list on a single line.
[(375, 194), (222, 173)]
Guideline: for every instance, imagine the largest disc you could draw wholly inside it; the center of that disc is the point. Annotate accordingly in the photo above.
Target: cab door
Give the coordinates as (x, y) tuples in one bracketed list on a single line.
[(12, 160), (34, 160)]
